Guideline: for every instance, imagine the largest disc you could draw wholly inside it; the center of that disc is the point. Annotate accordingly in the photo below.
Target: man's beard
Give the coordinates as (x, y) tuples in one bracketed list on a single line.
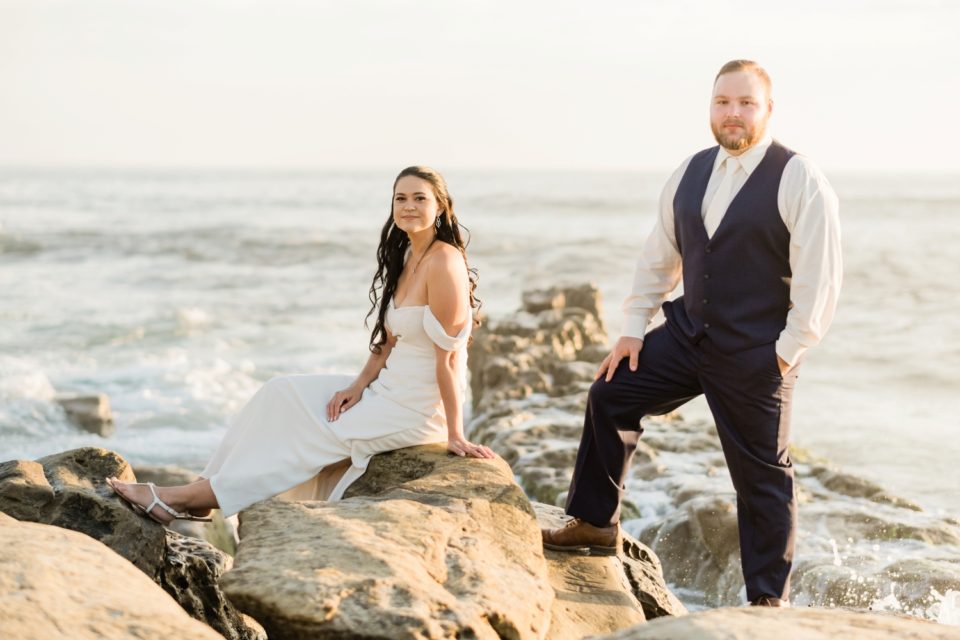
[(738, 141)]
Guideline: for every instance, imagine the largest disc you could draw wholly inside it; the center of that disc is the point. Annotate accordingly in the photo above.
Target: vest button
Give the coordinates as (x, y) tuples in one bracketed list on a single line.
[(706, 325), (706, 276), (709, 249), (704, 301)]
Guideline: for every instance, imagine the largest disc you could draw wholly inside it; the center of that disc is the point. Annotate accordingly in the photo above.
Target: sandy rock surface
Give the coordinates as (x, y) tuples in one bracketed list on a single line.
[(57, 583), (425, 545), (601, 594), (749, 623)]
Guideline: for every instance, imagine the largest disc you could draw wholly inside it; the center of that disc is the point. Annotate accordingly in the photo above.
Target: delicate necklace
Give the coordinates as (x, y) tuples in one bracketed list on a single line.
[(422, 255)]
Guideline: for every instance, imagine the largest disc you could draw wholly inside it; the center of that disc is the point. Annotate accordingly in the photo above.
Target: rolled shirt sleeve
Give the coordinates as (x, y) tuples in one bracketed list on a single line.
[(811, 211)]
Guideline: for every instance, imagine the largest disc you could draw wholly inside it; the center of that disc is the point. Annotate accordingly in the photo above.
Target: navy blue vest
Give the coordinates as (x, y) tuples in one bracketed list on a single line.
[(736, 285)]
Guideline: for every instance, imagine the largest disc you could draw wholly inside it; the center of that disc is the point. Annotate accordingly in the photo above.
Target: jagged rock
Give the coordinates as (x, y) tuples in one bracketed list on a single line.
[(525, 353), (68, 490), (749, 623), (90, 413), (425, 545), (536, 301), (57, 583), (600, 594)]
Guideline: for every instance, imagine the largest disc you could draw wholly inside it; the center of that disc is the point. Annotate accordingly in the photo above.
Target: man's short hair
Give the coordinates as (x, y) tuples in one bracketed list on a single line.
[(747, 65)]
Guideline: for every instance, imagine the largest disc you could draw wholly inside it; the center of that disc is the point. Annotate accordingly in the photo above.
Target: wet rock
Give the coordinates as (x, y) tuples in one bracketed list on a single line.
[(57, 583), (191, 573), (698, 544), (68, 490), (90, 413), (854, 486), (748, 623), (425, 545)]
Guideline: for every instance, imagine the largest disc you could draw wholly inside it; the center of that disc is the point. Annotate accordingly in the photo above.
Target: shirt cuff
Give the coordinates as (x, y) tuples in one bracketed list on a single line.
[(634, 326), (789, 349)]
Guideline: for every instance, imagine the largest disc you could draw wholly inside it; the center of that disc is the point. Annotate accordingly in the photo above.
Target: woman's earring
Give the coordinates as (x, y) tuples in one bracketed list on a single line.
[(439, 220)]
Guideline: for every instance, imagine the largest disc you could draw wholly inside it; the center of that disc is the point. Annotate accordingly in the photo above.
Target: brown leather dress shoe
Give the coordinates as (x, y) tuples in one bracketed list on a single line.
[(579, 536), (769, 601)]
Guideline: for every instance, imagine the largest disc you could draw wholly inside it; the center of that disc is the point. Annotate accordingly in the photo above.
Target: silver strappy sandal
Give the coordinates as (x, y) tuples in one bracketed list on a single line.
[(157, 502)]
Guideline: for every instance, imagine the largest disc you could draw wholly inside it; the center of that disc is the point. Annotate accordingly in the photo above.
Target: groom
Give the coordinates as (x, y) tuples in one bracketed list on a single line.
[(752, 228)]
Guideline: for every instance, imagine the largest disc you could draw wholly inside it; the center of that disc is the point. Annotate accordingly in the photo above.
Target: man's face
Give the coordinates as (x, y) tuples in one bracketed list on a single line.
[(739, 110)]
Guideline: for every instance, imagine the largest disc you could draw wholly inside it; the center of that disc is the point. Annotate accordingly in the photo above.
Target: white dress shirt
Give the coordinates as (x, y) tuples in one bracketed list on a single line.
[(809, 209)]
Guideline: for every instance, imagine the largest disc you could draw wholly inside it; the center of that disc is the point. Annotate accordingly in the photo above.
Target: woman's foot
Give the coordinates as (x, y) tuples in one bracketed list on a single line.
[(149, 500), (200, 513)]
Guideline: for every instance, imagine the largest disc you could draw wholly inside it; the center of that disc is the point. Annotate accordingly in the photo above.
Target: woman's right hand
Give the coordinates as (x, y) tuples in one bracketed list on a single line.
[(463, 447), (343, 400)]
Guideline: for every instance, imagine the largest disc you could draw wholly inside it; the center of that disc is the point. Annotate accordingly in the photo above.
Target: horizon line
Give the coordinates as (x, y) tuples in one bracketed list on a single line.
[(330, 169)]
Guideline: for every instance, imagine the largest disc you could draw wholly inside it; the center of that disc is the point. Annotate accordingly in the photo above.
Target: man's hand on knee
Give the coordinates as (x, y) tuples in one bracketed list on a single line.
[(625, 347)]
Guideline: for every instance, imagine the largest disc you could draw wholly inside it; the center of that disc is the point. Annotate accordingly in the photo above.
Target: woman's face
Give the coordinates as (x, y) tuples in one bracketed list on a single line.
[(415, 206)]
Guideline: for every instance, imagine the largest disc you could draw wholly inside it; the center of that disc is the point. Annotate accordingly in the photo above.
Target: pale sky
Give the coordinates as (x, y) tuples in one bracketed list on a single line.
[(558, 84)]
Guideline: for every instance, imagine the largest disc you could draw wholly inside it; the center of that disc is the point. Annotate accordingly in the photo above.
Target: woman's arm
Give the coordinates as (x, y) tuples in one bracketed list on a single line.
[(375, 363), (346, 398), (448, 300)]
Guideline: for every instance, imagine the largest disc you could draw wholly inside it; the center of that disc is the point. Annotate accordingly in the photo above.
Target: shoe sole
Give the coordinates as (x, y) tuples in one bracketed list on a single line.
[(585, 550)]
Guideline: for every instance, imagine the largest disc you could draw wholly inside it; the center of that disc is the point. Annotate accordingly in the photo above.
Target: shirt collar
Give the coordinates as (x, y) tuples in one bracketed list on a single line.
[(750, 158)]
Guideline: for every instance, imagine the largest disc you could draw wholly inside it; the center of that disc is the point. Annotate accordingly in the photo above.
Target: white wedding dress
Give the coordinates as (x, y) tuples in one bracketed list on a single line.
[(281, 439)]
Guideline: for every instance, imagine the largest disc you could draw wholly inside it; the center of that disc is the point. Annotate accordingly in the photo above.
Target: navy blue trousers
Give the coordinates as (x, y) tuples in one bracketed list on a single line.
[(750, 402)]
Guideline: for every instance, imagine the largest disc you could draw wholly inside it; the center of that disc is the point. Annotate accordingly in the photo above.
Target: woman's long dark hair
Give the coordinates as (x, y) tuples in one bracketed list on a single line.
[(393, 249)]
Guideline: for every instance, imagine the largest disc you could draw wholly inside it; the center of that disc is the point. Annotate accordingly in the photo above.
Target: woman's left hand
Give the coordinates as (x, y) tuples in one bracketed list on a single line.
[(463, 447)]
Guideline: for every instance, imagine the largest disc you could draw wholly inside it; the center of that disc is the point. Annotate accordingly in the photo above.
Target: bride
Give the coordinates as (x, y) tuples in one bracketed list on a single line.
[(409, 392)]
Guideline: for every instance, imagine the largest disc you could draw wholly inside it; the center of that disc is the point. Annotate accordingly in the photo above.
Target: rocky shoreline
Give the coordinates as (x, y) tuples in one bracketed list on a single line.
[(427, 545), (530, 374)]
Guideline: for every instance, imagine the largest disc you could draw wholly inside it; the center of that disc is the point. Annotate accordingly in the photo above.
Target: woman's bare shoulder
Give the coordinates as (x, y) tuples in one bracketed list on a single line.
[(447, 259)]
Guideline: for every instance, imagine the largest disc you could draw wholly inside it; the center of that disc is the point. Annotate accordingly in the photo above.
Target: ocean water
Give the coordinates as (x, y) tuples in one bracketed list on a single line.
[(177, 293)]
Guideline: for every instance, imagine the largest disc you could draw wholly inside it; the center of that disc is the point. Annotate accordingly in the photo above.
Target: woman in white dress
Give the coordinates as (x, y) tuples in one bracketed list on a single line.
[(410, 391)]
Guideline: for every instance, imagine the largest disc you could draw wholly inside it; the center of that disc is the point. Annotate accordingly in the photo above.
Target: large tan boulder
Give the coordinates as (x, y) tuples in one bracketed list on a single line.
[(68, 490), (425, 545), (750, 623), (57, 583)]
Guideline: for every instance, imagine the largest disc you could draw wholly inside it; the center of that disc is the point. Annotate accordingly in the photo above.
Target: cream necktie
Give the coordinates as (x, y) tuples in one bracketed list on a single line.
[(722, 197)]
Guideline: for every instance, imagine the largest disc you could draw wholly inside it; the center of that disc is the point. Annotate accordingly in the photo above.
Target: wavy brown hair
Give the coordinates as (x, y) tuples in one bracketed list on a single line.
[(393, 248)]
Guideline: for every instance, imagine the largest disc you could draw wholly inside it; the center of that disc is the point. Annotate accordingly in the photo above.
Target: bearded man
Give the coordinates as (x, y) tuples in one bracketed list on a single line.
[(753, 230)]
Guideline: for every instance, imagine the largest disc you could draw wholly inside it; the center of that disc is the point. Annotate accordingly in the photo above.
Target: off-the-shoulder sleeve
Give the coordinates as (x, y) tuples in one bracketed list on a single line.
[(439, 336)]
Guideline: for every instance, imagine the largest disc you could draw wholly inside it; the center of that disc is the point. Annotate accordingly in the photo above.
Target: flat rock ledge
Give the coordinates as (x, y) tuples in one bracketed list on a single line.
[(601, 594), (424, 545), (67, 490), (57, 583), (749, 623)]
